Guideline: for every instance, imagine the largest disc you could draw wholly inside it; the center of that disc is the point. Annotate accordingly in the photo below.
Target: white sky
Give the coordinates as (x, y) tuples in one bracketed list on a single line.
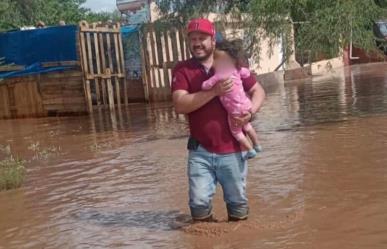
[(101, 5)]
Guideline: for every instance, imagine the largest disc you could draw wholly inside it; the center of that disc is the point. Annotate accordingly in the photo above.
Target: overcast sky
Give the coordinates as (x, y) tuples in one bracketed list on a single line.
[(101, 5)]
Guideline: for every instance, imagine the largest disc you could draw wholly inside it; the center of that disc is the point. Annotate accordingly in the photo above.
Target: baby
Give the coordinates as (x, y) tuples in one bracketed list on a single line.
[(227, 64)]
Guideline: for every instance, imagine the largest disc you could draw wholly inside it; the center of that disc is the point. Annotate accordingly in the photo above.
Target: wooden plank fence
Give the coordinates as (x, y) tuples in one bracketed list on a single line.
[(102, 61), (42, 95), (161, 50)]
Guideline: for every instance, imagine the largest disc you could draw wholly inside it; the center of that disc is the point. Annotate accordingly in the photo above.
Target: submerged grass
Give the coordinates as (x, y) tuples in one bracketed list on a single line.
[(12, 170), (12, 173), (41, 153)]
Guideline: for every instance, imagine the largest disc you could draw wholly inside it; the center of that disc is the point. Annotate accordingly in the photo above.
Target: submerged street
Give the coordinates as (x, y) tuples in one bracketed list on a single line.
[(119, 180)]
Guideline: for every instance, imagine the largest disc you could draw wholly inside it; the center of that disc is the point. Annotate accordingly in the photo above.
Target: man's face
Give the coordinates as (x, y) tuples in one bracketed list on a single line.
[(201, 45)]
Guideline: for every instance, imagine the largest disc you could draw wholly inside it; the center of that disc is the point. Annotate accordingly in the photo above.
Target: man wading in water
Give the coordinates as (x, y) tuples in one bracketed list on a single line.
[(214, 154)]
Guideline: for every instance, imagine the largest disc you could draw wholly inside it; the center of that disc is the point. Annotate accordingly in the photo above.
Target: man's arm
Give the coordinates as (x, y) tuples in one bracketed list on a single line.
[(185, 102), (257, 95)]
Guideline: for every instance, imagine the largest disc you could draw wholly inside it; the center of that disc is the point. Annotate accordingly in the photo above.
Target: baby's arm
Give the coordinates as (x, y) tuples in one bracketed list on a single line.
[(208, 84), (244, 72)]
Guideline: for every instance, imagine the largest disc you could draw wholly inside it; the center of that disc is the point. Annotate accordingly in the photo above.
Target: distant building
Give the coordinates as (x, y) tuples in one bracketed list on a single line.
[(136, 11), (130, 5)]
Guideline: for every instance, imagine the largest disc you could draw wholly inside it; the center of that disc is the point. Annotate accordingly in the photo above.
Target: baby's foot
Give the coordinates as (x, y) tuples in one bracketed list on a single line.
[(258, 148), (250, 154)]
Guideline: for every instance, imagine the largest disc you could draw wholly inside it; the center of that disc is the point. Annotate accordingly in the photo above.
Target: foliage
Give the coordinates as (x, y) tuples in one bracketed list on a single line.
[(12, 170), (18, 13), (103, 16), (381, 3), (12, 173), (321, 26), (44, 153)]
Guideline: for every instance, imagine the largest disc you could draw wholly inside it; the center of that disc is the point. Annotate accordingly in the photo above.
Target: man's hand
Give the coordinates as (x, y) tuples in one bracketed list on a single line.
[(223, 87), (240, 121)]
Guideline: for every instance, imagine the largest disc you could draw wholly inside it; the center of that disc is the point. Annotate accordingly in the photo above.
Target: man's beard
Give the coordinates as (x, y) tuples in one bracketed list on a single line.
[(208, 52)]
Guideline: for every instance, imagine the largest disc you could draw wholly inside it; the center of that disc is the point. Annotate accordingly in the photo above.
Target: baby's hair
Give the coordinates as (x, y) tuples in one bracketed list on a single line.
[(234, 49)]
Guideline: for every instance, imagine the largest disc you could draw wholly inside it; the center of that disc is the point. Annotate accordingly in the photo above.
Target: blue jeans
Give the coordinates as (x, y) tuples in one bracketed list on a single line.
[(205, 170)]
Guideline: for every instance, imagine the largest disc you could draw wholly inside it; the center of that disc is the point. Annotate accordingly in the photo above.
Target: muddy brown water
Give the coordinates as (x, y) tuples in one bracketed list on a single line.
[(119, 181)]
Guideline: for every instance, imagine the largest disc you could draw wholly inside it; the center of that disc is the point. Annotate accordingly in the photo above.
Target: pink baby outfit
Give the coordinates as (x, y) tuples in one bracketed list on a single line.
[(236, 101)]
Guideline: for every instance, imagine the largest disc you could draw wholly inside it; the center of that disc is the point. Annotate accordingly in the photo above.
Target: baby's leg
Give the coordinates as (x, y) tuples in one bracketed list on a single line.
[(248, 128), (242, 139)]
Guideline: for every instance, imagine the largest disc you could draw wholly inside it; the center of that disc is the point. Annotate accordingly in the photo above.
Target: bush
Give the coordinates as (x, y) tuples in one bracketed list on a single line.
[(12, 173)]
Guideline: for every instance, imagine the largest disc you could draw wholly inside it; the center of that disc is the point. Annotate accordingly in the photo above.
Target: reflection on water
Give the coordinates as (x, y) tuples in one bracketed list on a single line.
[(118, 179)]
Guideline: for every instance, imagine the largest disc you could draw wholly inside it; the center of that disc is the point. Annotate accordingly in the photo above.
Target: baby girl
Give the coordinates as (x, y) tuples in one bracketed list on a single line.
[(227, 64)]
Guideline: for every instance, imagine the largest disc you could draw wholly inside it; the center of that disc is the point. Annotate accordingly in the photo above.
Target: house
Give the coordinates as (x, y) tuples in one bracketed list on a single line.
[(138, 11)]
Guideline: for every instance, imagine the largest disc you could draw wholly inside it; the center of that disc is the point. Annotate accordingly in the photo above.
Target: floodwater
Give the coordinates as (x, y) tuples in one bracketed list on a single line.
[(119, 181)]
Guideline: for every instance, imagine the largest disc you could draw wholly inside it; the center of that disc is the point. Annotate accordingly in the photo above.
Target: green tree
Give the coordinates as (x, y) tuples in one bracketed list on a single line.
[(321, 26), (104, 16), (381, 3), (51, 11), (17, 13), (9, 15)]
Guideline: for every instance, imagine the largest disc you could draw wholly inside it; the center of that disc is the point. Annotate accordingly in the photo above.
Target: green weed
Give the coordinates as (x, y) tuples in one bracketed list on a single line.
[(12, 173)]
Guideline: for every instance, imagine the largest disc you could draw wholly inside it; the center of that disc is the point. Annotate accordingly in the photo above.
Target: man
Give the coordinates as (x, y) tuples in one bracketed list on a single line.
[(40, 25), (214, 154)]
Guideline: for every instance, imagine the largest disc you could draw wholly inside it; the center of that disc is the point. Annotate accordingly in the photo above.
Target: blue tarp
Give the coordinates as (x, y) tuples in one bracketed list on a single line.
[(125, 30), (131, 45), (30, 48)]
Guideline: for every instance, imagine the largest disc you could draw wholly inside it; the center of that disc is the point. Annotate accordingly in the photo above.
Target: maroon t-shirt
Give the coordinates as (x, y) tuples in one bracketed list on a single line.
[(209, 123)]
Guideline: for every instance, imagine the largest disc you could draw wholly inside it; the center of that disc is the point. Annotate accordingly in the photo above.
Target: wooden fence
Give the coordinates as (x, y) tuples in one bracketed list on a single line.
[(161, 50), (102, 61), (42, 95)]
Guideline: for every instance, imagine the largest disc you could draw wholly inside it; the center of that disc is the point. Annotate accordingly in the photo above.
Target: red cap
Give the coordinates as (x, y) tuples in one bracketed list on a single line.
[(201, 25)]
